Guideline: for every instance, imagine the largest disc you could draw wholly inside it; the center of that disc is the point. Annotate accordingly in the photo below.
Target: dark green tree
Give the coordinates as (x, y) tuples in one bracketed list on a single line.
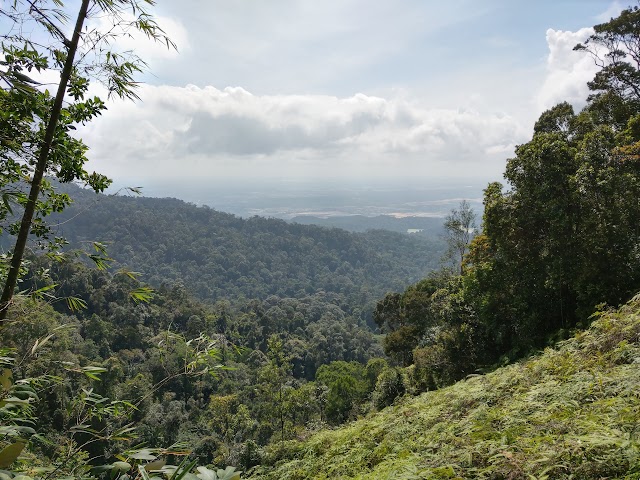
[(347, 388), (563, 237)]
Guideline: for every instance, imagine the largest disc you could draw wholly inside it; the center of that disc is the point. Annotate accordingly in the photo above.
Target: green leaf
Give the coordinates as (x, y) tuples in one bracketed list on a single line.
[(13, 401), (6, 378), (75, 304), (9, 453), (124, 433), (183, 469), (143, 454), (228, 473), (100, 248), (141, 294), (129, 273), (206, 474), (26, 430), (143, 473), (121, 466), (92, 372), (38, 293), (102, 263)]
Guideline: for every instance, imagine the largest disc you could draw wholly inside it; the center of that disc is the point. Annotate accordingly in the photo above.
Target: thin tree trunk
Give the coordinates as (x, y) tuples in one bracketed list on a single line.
[(41, 166)]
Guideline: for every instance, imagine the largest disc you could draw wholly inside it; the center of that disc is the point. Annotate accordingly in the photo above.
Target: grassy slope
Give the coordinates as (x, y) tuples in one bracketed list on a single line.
[(572, 412)]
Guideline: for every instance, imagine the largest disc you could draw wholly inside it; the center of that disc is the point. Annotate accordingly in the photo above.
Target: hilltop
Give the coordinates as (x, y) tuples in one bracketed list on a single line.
[(217, 255), (570, 412)]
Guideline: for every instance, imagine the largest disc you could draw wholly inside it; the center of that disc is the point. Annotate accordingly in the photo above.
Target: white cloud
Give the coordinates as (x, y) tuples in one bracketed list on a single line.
[(282, 53), (193, 131), (567, 71)]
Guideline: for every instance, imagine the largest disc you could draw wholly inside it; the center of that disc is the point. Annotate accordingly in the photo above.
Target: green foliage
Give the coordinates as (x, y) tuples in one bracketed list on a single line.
[(563, 236), (218, 256), (562, 239), (74, 405), (389, 386), (433, 326), (572, 412), (405, 317), (347, 388), (318, 328)]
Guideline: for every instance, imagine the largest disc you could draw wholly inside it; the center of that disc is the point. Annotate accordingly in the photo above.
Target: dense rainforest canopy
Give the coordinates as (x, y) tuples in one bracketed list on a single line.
[(219, 256)]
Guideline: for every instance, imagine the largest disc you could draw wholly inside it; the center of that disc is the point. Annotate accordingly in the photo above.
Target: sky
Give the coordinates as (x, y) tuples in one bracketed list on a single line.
[(343, 89)]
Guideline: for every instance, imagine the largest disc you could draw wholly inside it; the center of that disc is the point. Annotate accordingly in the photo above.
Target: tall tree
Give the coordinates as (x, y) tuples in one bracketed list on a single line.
[(615, 48), (564, 236), (460, 227), (35, 128)]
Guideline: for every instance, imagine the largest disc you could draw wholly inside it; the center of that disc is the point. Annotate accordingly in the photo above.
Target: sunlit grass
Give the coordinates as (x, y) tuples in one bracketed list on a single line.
[(571, 412)]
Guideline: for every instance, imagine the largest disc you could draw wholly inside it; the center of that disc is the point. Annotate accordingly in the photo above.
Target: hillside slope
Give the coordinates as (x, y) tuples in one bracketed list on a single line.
[(218, 255), (572, 412)]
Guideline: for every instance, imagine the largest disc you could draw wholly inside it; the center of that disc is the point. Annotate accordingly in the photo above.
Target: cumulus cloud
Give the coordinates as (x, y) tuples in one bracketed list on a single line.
[(567, 71), (192, 131)]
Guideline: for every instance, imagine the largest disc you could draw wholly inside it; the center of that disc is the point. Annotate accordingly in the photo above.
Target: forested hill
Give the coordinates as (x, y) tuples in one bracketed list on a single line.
[(218, 255)]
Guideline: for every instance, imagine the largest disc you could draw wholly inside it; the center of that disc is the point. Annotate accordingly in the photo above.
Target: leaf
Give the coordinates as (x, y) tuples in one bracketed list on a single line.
[(9, 453), (121, 466), (143, 454), (7, 203), (100, 248), (26, 430), (205, 474), (155, 465), (141, 294), (39, 342), (93, 372), (6, 378), (129, 273), (183, 469), (228, 473), (75, 304), (122, 433), (143, 473), (83, 428), (40, 293), (13, 401), (102, 263), (101, 468)]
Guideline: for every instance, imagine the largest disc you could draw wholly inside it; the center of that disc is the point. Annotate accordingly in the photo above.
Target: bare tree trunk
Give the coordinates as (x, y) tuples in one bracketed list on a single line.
[(41, 166)]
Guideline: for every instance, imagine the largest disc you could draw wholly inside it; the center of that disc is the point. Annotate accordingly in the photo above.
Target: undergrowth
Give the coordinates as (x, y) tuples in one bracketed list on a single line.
[(572, 412)]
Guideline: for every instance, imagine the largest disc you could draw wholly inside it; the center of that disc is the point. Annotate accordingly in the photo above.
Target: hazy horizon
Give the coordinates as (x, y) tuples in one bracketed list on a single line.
[(288, 198)]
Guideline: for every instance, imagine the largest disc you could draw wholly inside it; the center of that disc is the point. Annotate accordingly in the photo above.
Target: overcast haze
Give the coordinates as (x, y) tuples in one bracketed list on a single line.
[(293, 89)]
